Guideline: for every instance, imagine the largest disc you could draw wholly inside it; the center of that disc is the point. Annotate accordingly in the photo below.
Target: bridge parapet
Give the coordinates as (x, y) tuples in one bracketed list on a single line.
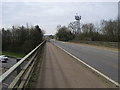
[(26, 66)]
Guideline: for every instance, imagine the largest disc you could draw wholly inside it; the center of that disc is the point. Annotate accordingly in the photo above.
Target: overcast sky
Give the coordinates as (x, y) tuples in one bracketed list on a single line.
[(49, 15)]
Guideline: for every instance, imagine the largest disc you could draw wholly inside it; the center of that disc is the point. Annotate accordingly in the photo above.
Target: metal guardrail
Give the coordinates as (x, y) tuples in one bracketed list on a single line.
[(24, 75)]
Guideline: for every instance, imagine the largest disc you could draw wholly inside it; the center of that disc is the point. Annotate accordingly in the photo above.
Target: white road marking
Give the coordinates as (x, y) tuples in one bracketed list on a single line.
[(103, 75)]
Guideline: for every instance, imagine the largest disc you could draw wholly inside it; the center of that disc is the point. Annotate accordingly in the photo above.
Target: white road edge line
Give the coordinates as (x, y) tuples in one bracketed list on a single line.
[(103, 75)]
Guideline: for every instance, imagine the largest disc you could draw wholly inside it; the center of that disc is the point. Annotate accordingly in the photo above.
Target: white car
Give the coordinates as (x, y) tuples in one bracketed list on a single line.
[(3, 58)]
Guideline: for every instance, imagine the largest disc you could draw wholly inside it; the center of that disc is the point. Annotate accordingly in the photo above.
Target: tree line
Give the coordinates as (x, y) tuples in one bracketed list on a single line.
[(21, 39), (107, 31)]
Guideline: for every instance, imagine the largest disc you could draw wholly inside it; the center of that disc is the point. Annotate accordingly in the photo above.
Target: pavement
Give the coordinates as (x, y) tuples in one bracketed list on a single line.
[(60, 70), (104, 60)]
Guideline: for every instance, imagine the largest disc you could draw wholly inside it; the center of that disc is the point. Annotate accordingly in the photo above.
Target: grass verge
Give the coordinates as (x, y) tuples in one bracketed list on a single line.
[(103, 45), (12, 54)]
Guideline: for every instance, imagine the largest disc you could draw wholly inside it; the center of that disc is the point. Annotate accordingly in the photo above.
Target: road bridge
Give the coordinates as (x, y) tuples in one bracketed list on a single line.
[(57, 69), (60, 70)]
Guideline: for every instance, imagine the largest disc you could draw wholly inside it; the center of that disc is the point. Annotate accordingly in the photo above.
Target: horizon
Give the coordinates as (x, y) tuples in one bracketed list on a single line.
[(49, 15)]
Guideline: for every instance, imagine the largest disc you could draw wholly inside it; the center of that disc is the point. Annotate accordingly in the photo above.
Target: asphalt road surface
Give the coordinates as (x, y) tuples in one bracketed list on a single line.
[(60, 70), (106, 61), (4, 67), (9, 64)]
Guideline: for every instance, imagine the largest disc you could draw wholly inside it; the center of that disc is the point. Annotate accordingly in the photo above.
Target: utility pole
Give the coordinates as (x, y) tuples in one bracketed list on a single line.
[(78, 18)]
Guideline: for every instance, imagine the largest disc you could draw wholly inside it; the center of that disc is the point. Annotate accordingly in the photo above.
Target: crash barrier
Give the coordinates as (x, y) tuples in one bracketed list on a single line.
[(23, 68)]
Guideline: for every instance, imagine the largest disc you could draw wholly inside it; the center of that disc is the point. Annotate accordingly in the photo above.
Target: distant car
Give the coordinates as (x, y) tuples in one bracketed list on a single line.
[(3, 58)]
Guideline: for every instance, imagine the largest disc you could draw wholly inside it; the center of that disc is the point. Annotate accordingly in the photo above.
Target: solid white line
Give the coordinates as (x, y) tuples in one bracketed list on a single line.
[(103, 75)]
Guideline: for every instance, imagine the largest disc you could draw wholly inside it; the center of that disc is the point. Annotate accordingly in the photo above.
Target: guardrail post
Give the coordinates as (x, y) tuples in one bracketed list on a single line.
[(19, 67), (18, 70)]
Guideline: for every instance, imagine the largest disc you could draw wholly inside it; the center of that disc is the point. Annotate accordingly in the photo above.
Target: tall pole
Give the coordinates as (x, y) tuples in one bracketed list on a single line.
[(78, 18), (79, 25)]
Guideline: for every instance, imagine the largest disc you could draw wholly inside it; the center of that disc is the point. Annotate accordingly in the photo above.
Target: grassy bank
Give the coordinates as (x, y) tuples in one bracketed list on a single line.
[(18, 55), (113, 45)]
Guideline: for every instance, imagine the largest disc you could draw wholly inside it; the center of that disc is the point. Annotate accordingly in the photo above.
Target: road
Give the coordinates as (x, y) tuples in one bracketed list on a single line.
[(60, 70), (9, 64), (106, 61), (4, 67)]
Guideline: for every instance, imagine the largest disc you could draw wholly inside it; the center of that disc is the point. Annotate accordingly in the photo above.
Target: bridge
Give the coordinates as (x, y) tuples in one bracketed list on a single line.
[(58, 64)]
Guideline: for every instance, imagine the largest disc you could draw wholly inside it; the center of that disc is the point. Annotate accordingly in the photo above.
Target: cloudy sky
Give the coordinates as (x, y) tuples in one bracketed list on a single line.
[(50, 14)]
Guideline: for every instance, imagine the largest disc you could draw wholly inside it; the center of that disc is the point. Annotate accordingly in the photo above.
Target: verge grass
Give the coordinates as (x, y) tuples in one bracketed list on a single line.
[(12, 54)]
